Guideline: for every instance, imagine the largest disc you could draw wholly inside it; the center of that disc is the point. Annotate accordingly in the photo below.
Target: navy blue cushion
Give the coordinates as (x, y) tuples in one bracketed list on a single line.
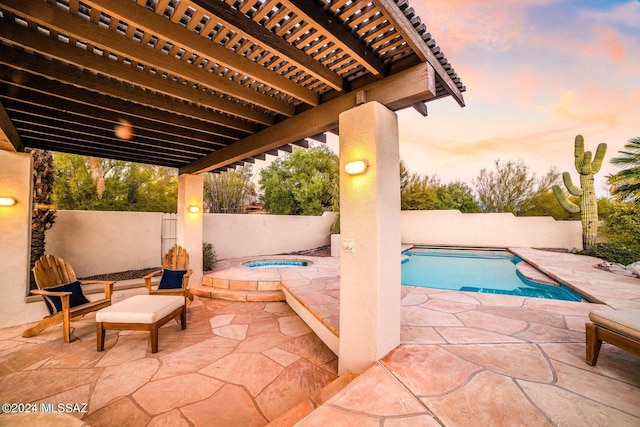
[(76, 298), (171, 279)]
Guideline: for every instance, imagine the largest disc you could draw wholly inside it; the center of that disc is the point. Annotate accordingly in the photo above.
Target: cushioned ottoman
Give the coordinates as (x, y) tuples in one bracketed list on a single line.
[(141, 313), (618, 327)]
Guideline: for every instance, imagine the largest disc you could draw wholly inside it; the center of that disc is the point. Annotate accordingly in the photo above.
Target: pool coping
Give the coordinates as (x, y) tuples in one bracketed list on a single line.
[(232, 280)]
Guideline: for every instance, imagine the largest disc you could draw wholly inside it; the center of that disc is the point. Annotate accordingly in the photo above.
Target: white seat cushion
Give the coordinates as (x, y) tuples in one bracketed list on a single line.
[(626, 322), (140, 309)]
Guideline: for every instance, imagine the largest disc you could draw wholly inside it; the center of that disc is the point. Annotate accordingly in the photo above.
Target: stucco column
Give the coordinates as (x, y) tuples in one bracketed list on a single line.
[(189, 227), (16, 180), (370, 234)]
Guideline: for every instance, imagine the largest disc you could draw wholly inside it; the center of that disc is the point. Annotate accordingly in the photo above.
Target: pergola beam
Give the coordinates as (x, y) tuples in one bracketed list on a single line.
[(338, 34), (63, 99), (9, 138), (80, 58), (398, 91), (411, 36), (35, 65), (150, 22), (236, 21), (54, 18)]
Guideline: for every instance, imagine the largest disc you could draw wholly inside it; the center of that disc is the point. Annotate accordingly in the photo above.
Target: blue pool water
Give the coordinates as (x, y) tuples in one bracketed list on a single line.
[(276, 263), (474, 271)]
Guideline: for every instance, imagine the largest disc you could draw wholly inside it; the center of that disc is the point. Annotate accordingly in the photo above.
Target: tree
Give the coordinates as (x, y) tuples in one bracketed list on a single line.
[(147, 188), (625, 185), (43, 216), (546, 204), (417, 192), (511, 187), (301, 183), (89, 183), (427, 193), (229, 192), (457, 195)]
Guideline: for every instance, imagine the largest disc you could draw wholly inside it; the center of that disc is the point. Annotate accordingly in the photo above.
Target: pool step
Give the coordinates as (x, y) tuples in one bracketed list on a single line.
[(304, 408), (532, 273)]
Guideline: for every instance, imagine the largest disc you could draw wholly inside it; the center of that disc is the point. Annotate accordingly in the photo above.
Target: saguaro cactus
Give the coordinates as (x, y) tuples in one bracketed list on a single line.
[(588, 206)]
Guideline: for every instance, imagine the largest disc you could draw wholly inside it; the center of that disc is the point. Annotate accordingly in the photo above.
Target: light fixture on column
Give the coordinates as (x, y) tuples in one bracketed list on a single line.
[(357, 167), (7, 201), (194, 209)]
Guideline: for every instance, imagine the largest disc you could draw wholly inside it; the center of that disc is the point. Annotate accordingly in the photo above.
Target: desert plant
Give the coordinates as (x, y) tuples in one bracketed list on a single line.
[(230, 191), (43, 214), (209, 258), (588, 206), (625, 185)]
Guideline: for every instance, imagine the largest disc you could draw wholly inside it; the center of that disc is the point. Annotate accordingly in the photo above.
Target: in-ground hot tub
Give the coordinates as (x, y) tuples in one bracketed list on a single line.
[(277, 263), (256, 279)]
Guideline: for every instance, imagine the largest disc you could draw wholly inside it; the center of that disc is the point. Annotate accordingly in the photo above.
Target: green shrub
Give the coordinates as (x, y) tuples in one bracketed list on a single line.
[(622, 225), (208, 256), (613, 252), (622, 234)]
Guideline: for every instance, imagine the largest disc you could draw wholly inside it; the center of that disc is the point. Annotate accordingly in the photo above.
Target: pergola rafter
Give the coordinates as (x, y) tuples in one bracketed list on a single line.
[(206, 84)]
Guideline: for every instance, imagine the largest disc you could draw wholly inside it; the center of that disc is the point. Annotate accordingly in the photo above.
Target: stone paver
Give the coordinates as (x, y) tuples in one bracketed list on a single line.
[(465, 359), (205, 375), (493, 360)]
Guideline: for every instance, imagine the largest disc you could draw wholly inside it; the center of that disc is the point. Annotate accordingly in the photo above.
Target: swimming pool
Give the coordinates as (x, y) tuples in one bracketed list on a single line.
[(475, 271)]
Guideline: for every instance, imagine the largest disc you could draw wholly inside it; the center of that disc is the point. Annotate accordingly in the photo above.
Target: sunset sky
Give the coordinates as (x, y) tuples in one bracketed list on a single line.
[(537, 72)]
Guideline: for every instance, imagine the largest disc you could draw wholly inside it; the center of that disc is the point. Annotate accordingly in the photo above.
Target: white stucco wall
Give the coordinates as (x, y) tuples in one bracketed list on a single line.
[(97, 242), (105, 242), (132, 240), (453, 228), (235, 236)]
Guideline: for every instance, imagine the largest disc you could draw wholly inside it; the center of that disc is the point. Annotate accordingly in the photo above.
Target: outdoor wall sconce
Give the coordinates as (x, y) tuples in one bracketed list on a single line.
[(357, 167), (7, 201), (194, 209)]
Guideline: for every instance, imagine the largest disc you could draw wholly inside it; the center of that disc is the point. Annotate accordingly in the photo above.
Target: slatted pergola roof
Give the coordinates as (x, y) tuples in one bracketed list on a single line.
[(206, 84)]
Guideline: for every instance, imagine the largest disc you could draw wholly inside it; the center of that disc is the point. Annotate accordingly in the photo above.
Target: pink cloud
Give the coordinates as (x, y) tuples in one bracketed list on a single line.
[(459, 23), (602, 41), (595, 107), (616, 50)]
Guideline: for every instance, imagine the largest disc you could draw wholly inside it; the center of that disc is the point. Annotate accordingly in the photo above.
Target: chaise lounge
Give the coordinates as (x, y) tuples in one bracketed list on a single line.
[(618, 327)]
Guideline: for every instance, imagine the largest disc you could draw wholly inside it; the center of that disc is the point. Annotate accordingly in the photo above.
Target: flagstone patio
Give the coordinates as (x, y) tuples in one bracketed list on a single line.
[(466, 359)]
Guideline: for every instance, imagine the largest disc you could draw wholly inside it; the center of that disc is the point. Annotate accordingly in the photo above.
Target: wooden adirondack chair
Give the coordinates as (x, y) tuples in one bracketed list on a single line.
[(175, 274), (62, 294)]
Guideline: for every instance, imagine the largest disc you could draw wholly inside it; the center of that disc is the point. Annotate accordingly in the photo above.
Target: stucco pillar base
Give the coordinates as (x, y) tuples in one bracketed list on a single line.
[(370, 235)]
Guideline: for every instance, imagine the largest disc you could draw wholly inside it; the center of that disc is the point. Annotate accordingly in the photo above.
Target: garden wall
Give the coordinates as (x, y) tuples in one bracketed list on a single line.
[(499, 230), (234, 236), (97, 242), (107, 242)]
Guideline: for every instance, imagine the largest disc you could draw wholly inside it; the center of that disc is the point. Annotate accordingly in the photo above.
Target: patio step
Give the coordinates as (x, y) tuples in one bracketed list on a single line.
[(237, 294), (304, 408)]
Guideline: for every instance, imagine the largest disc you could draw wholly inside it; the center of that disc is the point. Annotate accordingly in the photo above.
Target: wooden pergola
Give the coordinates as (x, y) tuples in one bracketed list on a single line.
[(206, 85)]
